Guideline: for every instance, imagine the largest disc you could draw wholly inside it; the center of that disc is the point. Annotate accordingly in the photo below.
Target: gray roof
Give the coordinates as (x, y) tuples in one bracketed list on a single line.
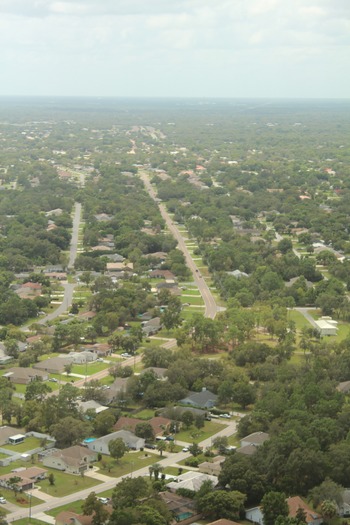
[(125, 435), (200, 399)]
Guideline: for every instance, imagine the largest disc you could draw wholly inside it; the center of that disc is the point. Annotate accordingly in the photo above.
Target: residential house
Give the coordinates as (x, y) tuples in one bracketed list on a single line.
[(160, 373), (119, 267), (203, 399), (67, 517), (183, 509), (91, 405), (81, 358), (159, 424), (27, 478), (24, 376), (100, 445), (238, 274), (74, 460), (256, 439), (117, 388), (162, 256), (191, 481), (294, 504), (103, 217), (152, 326), (53, 365), (344, 387), (213, 468), (162, 274)]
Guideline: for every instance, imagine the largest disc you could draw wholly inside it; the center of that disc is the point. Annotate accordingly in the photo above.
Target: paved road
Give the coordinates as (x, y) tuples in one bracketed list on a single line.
[(305, 313), (68, 287), (75, 233), (211, 307)]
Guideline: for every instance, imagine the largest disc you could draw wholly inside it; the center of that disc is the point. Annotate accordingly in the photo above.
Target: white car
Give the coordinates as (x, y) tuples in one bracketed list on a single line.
[(185, 449), (103, 500), (126, 355), (3, 501)]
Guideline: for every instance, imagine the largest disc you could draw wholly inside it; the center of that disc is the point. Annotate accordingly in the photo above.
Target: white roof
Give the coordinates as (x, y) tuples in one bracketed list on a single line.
[(17, 436)]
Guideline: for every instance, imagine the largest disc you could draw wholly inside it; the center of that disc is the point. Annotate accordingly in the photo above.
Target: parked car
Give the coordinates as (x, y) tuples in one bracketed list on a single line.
[(150, 445), (3, 501), (169, 438), (53, 380), (226, 416), (185, 449), (125, 354), (103, 500)]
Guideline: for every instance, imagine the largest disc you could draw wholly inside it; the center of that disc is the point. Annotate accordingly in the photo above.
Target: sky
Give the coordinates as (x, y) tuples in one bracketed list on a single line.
[(175, 48)]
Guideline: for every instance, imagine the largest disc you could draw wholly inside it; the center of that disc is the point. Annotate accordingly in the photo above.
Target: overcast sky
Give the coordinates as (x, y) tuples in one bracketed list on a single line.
[(185, 48)]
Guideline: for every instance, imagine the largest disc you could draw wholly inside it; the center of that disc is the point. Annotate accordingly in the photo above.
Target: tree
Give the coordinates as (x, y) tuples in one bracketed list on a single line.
[(221, 504), (328, 490), (129, 491), (273, 505), (37, 389), (11, 347), (328, 509), (161, 446), (104, 422), (155, 470), (195, 449), (244, 394), (92, 506), (221, 443), (145, 431), (187, 418), (117, 448), (68, 368), (51, 479), (70, 431)]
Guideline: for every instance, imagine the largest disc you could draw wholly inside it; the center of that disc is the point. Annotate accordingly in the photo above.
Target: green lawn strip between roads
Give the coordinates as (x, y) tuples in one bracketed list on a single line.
[(193, 435), (129, 463), (66, 484)]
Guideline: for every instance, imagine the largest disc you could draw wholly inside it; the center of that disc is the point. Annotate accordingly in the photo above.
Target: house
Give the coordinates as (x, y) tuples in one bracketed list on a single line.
[(344, 387), (158, 424), (223, 521), (119, 267), (162, 256), (213, 468), (162, 274), (247, 450), (81, 358), (326, 327), (152, 326), (118, 387), (115, 257), (256, 439), (73, 460), (203, 399), (53, 365), (91, 405), (24, 376), (103, 217), (238, 274), (161, 373), (100, 445), (182, 509), (67, 517), (191, 481), (294, 504), (27, 478)]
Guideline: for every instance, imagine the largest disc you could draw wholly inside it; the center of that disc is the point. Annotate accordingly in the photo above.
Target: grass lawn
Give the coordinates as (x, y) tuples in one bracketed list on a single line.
[(131, 462), (192, 300), (22, 499), (75, 506), (191, 292), (146, 413), (298, 319), (28, 444), (21, 389), (90, 369), (66, 484), (193, 435), (174, 471), (24, 521)]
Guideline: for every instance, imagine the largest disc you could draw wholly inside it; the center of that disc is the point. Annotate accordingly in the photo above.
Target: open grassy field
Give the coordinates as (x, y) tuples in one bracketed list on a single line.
[(131, 462), (28, 444), (193, 435), (66, 483)]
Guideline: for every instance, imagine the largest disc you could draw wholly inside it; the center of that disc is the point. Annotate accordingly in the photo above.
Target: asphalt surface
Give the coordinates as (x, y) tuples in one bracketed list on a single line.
[(211, 308)]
